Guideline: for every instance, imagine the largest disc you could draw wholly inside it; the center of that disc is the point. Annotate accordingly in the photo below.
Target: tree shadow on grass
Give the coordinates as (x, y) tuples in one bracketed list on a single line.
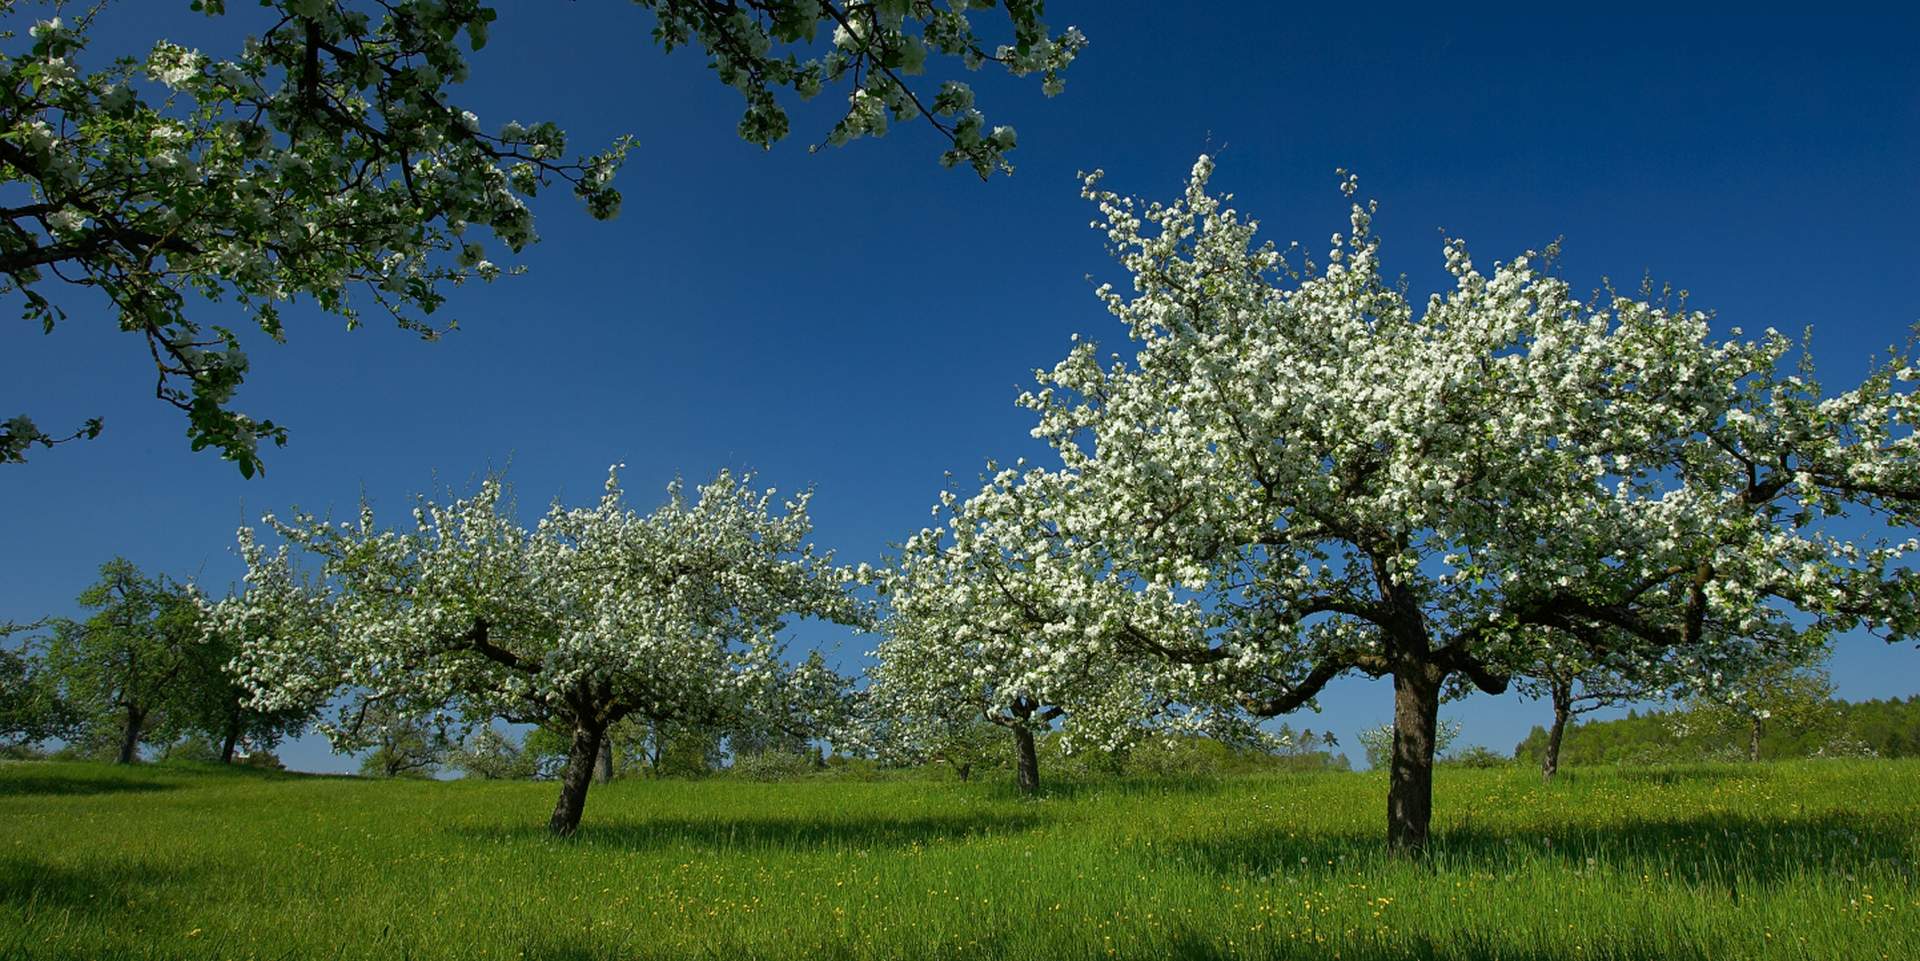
[(1728, 851), (789, 833), (62, 785), (31, 885), (1204, 946), (1003, 789), (1196, 946)]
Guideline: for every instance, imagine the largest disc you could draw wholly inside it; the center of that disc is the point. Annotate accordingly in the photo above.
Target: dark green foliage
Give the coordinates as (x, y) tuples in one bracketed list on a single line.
[(195, 748), (975, 748), (1477, 756), (124, 669), (31, 708), (546, 749), (687, 754), (1889, 728), (141, 670)]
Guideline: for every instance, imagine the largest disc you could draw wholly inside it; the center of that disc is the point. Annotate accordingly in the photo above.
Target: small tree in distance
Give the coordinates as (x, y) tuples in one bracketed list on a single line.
[(32, 706), (1377, 742), (131, 662), (400, 741), (490, 755), (1574, 687), (1795, 695)]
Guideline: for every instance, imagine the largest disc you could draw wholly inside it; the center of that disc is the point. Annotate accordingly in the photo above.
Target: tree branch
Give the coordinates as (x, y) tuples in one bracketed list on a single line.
[(1309, 687)]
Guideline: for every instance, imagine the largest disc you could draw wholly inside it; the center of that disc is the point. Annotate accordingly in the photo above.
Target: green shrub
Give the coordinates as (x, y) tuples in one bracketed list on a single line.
[(773, 766), (1477, 756)]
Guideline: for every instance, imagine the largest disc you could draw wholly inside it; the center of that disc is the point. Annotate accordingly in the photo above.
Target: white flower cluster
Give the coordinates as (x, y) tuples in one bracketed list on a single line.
[(1297, 474), (595, 614)]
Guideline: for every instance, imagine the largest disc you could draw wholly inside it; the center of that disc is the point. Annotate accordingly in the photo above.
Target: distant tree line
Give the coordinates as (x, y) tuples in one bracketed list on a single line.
[(1876, 728), (980, 752)]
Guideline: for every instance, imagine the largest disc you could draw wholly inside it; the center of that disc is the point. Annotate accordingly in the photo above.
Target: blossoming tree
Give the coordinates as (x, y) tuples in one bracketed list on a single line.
[(1298, 475), (329, 160), (596, 614), (985, 622)]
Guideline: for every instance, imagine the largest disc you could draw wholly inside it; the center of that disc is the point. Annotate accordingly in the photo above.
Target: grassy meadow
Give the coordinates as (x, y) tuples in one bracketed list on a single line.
[(1792, 860)]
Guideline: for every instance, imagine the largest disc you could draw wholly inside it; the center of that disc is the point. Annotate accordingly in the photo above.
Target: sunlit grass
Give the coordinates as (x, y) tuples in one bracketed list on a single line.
[(1802, 860)]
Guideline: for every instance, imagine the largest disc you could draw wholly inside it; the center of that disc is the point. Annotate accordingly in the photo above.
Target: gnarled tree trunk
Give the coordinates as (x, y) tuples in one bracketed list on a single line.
[(130, 738), (1753, 738), (1416, 717), (1026, 761), (232, 739), (575, 778), (1562, 709)]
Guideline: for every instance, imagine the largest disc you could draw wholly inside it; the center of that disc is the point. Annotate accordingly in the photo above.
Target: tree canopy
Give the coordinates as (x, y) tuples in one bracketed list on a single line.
[(594, 615), (329, 161), (979, 628), (131, 662), (1297, 473)]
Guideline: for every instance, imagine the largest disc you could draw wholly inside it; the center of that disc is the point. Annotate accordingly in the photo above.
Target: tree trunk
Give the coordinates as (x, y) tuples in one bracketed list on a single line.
[(1416, 714), (1027, 763), (964, 770), (1753, 738), (603, 768), (232, 739), (575, 778), (130, 739), (1562, 707)]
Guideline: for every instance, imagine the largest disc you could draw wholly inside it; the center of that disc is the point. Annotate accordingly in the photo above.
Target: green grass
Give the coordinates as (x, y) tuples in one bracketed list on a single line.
[(1800, 860)]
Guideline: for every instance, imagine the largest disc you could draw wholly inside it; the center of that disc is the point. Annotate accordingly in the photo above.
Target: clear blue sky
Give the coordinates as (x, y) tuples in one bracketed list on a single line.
[(861, 319)]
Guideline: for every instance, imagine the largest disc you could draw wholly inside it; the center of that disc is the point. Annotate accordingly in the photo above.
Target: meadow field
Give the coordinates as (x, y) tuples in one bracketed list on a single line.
[(1811, 859)]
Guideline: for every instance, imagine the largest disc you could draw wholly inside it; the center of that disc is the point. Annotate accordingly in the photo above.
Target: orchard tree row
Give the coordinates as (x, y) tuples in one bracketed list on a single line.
[(1292, 475), (1295, 474)]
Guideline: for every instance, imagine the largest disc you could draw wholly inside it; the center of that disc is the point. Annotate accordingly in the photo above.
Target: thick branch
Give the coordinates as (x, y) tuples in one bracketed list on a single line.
[(1456, 658), (1301, 693), (475, 639)]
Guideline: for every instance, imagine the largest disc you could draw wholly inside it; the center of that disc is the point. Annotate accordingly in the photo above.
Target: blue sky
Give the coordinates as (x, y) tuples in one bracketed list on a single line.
[(860, 319)]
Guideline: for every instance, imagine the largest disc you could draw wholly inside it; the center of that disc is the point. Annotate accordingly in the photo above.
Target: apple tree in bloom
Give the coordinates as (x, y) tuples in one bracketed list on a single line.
[(594, 615), (985, 622), (1299, 473), (329, 161)]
